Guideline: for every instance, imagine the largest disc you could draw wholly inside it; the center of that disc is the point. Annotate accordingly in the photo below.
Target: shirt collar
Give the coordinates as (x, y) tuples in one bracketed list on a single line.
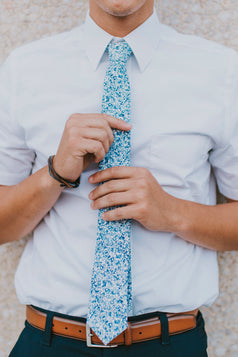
[(143, 41)]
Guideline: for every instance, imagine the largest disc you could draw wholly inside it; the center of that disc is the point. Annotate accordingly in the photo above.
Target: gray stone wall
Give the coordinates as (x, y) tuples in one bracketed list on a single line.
[(22, 21)]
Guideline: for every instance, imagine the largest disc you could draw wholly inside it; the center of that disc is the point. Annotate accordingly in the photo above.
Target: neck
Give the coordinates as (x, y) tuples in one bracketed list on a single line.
[(120, 26)]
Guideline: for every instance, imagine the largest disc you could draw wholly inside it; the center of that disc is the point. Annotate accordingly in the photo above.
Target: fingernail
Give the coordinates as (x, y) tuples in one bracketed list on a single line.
[(92, 204), (90, 195)]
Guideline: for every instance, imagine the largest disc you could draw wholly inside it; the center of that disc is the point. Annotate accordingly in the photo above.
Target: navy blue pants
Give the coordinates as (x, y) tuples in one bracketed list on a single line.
[(36, 343)]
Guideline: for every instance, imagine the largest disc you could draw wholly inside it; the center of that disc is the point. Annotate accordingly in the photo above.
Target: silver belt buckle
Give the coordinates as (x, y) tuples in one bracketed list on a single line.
[(89, 336)]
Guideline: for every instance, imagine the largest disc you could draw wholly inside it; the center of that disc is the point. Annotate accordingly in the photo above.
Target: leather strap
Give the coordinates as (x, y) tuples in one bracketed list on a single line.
[(137, 331)]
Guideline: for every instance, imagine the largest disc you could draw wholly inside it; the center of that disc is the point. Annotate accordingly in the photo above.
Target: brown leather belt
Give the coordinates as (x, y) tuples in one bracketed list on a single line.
[(137, 331)]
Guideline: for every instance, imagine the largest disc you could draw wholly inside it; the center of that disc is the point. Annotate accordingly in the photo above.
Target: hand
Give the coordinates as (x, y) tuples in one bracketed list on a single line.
[(138, 191), (86, 138)]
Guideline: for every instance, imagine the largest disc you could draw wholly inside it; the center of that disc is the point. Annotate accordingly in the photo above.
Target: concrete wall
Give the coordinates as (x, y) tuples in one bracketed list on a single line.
[(22, 21)]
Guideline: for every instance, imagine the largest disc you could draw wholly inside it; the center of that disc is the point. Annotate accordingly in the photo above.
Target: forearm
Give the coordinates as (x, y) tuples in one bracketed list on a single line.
[(24, 205), (213, 227)]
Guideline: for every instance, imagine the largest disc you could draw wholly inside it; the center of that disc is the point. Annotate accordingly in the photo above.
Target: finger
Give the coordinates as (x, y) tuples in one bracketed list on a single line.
[(97, 118), (94, 147), (119, 213), (109, 122), (100, 122), (113, 199), (116, 123), (92, 121), (109, 187), (116, 172), (96, 134)]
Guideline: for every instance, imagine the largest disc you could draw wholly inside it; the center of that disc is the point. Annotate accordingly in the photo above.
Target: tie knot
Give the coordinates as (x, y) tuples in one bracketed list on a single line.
[(119, 52)]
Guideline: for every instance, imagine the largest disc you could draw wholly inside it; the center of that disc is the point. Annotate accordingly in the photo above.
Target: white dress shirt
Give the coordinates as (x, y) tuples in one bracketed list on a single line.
[(185, 131)]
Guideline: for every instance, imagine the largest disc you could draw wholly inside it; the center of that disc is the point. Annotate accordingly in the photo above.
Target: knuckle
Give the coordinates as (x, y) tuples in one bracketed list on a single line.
[(114, 170), (141, 196), (143, 209), (111, 198), (68, 124), (111, 185), (73, 120), (104, 120), (96, 146), (72, 131), (143, 183), (73, 142), (119, 213), (140, 171), (80, 141), (143, 171), (104, 116), (71, 117), (147, 173), (103, 135)]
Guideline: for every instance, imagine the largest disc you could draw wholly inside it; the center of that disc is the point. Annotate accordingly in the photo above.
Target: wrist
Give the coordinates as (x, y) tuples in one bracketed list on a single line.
[(188, 215), (47, 182), (179, 218), (57, 177), (70, 169)]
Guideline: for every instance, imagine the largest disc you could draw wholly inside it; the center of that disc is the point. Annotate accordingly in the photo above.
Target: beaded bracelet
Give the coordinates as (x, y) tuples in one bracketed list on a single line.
[(57, 177)]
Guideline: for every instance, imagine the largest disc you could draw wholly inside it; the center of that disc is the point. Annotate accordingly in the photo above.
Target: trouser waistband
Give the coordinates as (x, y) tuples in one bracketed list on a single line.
[(140, 328)]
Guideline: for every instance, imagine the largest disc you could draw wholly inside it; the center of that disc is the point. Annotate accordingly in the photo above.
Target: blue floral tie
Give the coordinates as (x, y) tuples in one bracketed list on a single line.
[(110, 298)]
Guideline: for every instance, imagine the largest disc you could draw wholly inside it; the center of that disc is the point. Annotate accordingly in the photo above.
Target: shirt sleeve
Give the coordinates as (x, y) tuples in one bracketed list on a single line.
[(224, 156), (16, 159)]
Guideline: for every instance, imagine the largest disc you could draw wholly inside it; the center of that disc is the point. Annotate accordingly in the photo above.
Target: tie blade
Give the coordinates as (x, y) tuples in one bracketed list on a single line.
[(108, 310), (110, 297), (106, 330)]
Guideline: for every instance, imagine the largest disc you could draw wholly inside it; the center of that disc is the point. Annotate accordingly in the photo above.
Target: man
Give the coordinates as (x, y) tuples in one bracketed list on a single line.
[(182, 93)]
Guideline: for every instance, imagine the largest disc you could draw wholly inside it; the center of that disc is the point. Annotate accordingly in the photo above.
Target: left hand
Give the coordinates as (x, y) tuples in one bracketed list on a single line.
[(138, 191)]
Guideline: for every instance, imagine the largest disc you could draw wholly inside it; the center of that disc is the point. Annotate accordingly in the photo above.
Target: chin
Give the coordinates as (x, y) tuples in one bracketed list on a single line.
[(120, 8)]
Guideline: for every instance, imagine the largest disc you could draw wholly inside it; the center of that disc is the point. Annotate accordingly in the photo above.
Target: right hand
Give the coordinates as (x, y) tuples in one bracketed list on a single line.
[(86, 138)]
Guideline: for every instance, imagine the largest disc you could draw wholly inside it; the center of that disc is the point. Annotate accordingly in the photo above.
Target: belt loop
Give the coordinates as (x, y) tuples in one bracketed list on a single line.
[(164, 328), (46, 341), (127, 335)]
